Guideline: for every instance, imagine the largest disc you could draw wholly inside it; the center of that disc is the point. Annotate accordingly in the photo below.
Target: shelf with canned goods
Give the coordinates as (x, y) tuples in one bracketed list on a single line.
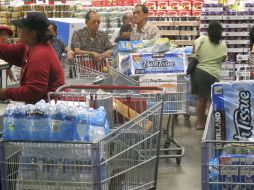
[(163, 23), (183, 42), (169, 32)]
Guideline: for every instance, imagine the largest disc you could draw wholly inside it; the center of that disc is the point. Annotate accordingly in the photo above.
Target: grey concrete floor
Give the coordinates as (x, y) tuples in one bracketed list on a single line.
[(185, 176)]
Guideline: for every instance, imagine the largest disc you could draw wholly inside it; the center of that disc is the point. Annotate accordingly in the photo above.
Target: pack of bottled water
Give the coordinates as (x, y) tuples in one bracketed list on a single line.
[(59, 122)]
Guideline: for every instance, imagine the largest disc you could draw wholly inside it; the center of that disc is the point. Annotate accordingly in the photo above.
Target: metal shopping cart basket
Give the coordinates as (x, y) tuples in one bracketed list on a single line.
[(225, 165), (126, 158), (175, 102), (86, 69)]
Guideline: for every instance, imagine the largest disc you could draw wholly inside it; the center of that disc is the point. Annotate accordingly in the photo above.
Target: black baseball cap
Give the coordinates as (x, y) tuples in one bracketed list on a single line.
[(33, 20)]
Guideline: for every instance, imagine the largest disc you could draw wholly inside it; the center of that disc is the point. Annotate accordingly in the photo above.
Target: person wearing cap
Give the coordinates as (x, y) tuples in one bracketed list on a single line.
[(90, 40), (5, 34), (41, 69), (59, 45), (5, 38)]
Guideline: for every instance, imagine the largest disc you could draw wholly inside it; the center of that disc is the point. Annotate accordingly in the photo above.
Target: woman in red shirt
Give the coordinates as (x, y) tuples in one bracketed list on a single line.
[(41, 69)]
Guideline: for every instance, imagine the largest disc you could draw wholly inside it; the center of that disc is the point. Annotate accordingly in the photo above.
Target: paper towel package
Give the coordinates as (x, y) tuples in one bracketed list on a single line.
[(148, 63), (233, 108)]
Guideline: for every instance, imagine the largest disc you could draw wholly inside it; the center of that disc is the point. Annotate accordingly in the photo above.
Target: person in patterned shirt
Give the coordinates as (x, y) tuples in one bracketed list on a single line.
[(59, 45), (90, 40), (143, 30)]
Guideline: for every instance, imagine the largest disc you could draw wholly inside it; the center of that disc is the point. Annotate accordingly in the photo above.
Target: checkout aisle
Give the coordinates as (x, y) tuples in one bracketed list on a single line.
[(172, 176)]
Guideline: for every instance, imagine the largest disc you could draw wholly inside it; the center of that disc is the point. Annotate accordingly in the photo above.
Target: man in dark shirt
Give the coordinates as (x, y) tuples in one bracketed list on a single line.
[(59, 45), (90, 41)]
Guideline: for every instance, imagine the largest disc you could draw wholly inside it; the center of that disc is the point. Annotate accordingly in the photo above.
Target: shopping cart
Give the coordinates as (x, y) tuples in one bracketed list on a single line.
[(126, 158), (85, 69), (175, 91), (229, 171)]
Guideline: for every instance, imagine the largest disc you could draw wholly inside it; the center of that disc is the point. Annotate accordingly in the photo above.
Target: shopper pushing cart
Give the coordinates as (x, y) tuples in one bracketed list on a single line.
[(126, 158)]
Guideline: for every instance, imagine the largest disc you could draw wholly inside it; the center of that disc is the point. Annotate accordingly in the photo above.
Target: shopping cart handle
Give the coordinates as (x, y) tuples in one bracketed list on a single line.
[(107, 87)]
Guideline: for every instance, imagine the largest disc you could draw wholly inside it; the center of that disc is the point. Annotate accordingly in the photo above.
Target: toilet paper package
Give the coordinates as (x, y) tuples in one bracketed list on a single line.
[(149, 63), (229, 171), (233, 109)]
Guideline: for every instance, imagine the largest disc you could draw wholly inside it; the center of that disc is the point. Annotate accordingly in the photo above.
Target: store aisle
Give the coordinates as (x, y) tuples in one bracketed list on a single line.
[(187, 175)]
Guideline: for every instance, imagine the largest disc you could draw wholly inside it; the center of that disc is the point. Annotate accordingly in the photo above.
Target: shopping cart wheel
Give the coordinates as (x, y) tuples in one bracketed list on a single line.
[(186, 116), (179, 159)]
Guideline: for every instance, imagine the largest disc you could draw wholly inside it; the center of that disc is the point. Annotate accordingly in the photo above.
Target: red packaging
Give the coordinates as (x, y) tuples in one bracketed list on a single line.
[(136, 2), (162, 5), (151, 5), (173, 5), (184, 13), (196, 13), (185, 5), (172, 13), (197, 5), (161, 13), (152, 13)]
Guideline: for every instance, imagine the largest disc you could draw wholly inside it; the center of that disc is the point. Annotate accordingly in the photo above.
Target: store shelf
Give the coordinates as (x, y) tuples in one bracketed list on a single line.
[(235, 31), (237, 42), (163, 23), (187, 23), (183, 42), (188, 33), (169, 32)]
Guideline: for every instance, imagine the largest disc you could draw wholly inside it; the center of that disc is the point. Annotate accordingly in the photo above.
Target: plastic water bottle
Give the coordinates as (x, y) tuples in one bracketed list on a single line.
[(20, 123), (30, 108), (29, 170), (56, 120), (84, 171), (82, 125), (98, 117), (69, 170), (69, 124), (8, 123), (41, 122)]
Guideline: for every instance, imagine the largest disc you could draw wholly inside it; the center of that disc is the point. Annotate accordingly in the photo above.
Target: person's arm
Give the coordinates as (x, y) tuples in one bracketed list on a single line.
[(70, 54), (155, 33), (37, 79), (14, 54), (114, 36), (107, 54)]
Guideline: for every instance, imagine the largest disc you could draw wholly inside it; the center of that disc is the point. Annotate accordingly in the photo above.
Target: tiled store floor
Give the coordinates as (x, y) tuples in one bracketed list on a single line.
[(185, 176)]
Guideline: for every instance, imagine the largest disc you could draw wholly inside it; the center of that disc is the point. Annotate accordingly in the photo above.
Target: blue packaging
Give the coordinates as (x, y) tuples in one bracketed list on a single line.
[(148, 63), (56, 120), (230, 171), (8, 123), (21, 127), (213, 175), (235, 100), (39, 121), (82, 125), (247, 172), (69, 124)]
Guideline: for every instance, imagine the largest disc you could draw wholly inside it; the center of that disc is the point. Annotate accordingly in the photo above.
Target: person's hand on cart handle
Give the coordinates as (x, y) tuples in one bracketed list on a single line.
[(2, 94), (70, 56)]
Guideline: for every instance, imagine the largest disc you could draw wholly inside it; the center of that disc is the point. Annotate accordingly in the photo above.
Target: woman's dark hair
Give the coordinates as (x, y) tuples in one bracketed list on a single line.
[(215, 32), (125, 28), (251, 34), (54, 26), (43, 36)]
